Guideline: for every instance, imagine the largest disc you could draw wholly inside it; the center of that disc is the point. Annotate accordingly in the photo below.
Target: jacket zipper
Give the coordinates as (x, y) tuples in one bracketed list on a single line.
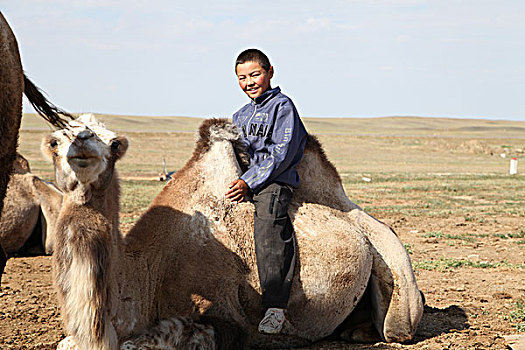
[(249, 120)]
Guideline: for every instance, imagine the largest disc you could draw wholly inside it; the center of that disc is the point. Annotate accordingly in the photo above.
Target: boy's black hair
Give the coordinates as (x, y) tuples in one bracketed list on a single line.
[(253, 55)]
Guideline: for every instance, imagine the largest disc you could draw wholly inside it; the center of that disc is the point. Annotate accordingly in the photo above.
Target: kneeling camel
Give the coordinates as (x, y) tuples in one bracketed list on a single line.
[(31, 207), (191, 255)]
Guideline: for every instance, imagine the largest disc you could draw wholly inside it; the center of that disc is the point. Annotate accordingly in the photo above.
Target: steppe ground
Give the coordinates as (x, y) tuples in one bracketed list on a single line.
[(442, 184)]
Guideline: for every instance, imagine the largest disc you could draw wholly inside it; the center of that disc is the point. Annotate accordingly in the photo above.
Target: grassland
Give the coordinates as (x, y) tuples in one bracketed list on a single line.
[(382, 146)]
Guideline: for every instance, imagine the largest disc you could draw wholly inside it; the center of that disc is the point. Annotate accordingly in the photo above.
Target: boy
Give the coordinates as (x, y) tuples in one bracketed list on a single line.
[(275, 138)]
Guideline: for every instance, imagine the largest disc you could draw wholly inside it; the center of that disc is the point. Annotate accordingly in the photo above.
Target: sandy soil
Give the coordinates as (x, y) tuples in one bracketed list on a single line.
[(467, 307)]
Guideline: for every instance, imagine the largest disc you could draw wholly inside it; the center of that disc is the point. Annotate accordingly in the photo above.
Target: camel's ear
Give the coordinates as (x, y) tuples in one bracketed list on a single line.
[(49, 147), (119, 146)]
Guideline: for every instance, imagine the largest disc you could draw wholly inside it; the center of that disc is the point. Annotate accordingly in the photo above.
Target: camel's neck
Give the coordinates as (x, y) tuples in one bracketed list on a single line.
[(107, 200), (102, 199), (87, 248)]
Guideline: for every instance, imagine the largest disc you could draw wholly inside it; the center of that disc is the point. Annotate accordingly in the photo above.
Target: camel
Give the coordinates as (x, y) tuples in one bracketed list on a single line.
[(191, 254), (30, 211), (14, 83)]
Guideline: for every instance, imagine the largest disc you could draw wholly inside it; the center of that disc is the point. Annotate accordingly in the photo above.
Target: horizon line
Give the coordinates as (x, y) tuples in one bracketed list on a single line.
[(303, 116)]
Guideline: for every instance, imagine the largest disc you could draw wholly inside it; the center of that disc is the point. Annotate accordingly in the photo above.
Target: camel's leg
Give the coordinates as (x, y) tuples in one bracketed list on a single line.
[(395, 298), (175, 333), (358, 326)]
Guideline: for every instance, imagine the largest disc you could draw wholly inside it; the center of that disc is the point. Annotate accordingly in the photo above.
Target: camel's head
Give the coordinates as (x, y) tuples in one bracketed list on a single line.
[(84, 154)]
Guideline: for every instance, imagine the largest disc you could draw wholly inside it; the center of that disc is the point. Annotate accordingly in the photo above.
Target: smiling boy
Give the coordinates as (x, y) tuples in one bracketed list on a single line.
[(275, 138)]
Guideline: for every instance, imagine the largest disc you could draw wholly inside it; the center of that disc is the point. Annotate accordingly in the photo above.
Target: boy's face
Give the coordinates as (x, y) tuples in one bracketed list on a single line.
[(254, 80)]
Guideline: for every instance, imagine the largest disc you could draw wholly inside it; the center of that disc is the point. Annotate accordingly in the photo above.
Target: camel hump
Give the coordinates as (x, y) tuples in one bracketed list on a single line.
[(218, 129), (314, 146)]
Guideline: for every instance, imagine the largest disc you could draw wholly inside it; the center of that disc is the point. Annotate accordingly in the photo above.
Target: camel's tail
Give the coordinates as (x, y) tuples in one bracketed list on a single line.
[(46, 109)]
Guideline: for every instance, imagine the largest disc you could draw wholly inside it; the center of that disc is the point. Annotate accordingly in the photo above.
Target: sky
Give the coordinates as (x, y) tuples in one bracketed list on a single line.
[(334, 58)]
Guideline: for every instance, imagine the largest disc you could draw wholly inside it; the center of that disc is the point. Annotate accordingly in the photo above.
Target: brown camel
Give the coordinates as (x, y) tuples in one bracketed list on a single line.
[(30, 211), (13, 83), (191, 254)]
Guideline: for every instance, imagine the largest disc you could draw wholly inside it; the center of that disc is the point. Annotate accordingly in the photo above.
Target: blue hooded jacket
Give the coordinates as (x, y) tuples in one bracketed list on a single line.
[(275, 137)]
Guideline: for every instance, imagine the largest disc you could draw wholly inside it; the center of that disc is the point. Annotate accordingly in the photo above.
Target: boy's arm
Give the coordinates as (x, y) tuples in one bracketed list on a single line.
[(286, 142)]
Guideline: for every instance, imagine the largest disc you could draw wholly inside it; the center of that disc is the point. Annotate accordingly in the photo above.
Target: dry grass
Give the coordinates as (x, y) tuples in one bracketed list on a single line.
[(402, 145)]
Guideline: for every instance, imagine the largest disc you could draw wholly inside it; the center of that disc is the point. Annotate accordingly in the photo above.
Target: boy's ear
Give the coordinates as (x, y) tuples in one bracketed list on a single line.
[(270, 72)]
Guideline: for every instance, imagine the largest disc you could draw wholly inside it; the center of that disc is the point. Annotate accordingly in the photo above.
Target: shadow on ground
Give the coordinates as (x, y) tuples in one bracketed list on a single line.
[(434, 323), (438, 321)]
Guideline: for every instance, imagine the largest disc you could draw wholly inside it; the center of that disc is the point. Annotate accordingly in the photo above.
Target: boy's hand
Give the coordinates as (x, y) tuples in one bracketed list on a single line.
[(238, 190)]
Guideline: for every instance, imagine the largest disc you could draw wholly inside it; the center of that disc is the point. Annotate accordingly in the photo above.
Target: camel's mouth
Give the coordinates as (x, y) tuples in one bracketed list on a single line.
[(82, 161)]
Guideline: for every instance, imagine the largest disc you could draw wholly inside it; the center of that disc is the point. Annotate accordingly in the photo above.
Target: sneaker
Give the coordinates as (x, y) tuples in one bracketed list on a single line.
[(273, 321)]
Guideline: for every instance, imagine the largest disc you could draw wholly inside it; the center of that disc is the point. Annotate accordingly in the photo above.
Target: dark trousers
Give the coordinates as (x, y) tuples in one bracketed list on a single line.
[(274, 244)]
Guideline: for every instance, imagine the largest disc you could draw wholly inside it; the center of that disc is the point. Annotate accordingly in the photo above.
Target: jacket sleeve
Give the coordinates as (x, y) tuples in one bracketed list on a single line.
[(284, 145)]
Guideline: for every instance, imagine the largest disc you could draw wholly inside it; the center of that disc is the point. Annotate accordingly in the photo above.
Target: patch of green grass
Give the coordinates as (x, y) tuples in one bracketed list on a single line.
[(408, 248), (520, 234), (128, 220), (517, 316), (448, 263), (480, 235), (137, 195), (478, 198), (439, 234)]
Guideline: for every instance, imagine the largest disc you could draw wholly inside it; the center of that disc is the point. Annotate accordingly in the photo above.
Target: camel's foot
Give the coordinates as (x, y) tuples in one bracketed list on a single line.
[(175, 333), (68, 343)]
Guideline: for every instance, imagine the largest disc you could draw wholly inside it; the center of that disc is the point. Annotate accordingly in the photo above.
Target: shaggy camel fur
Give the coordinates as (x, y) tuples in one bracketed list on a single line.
[(99, 280), (30, 211), (192, 253), (13, 83)]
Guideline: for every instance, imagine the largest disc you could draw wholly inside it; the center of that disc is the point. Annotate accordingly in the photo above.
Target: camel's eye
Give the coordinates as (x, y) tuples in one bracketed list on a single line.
[(53, 143), (115, 145)]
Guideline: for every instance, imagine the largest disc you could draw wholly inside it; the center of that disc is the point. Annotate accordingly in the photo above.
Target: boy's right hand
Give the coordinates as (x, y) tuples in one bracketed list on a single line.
[(237, 190)]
